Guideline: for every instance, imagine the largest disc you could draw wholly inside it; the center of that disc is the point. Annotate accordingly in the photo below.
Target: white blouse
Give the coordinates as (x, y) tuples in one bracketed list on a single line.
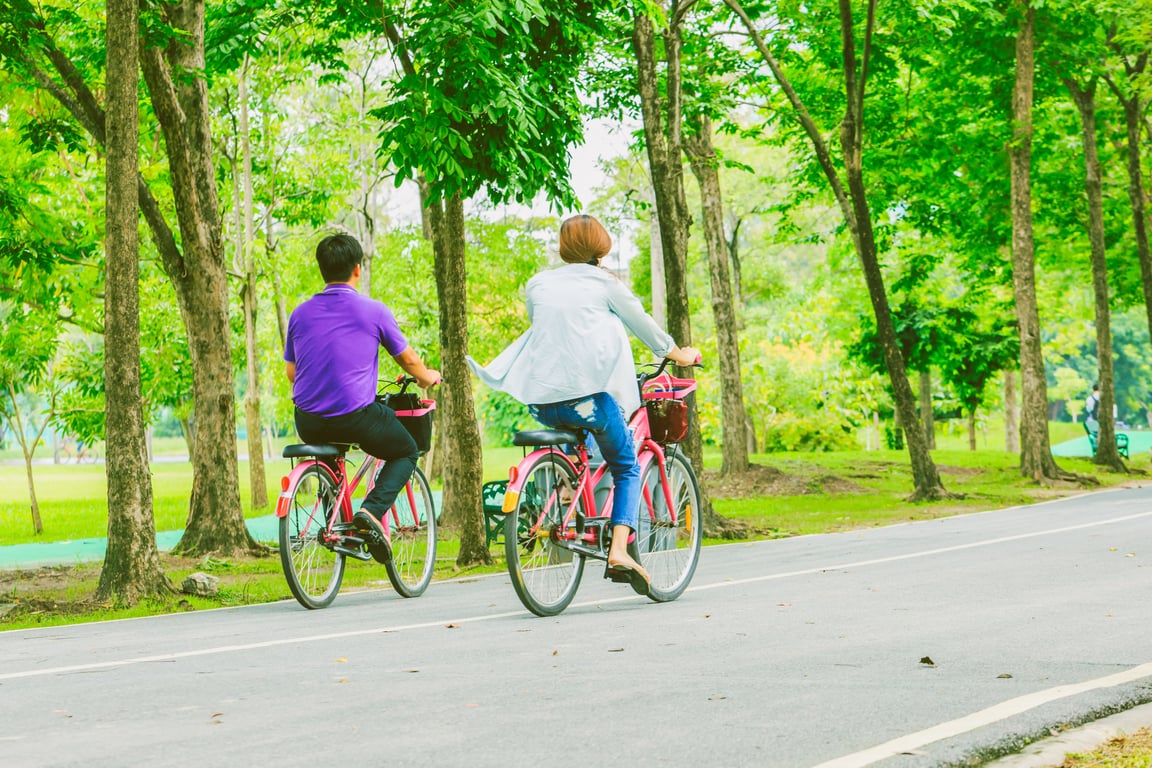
[(577, 344)]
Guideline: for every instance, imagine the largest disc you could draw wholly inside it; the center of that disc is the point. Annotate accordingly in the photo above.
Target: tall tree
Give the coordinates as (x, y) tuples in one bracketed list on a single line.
[(851, 195), (1084, 96), (131, 562), (1131, 49), (488, 102), (246, 259), (1036, 459), (172, 59), (662, 113), (734, 434)]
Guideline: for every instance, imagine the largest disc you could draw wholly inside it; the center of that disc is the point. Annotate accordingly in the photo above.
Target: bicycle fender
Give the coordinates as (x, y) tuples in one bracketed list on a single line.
[(516, 478), (284, 500)]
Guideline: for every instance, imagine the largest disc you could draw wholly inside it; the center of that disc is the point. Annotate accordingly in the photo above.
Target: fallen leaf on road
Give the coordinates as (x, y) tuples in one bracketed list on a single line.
[(341, 660), (717, 697), (927, 661), (1004, 676), (615, 650), (411, 670), (452, 626)]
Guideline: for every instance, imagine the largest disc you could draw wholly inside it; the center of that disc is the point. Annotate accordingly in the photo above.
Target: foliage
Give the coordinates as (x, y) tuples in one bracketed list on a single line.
[(489, 101)]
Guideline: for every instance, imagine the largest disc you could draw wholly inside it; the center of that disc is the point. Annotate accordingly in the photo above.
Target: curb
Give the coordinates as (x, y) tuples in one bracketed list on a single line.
[(1050, 752)]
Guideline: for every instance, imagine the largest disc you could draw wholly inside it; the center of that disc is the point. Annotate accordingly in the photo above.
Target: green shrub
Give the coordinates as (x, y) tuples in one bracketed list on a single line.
[(787, 432)]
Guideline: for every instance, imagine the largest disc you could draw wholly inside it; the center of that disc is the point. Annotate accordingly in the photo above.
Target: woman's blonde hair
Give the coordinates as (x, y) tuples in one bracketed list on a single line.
[(583, 239)]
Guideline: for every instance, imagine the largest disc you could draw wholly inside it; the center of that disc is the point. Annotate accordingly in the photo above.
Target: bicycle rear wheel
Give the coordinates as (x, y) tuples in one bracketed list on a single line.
[(313, 570), (668, 539), (412, 528), (545, 573)]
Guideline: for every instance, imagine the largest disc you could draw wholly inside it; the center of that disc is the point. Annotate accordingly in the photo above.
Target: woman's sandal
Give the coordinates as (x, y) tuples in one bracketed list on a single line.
[(626, 574)]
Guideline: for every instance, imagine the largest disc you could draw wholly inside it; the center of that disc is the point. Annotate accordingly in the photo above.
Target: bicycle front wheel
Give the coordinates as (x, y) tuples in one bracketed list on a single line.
[(668, 538), (311, 566), (545, 573), (412, 528)]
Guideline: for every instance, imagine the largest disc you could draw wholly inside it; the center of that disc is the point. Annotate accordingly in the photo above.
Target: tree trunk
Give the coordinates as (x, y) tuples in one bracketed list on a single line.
[(737, 276), (28, 452), (1106, 453), (132, 562), (215, 522), (1035, 448), (662, 139), (734, 441), (1137, 199), (924, 475), (1011, 414), (853, 204), (463, 475), (927, 415), (656, 260), (972, 430), (258, 482)]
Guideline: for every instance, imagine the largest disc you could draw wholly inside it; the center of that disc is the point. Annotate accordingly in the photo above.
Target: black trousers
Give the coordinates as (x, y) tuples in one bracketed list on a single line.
[(376, 429)]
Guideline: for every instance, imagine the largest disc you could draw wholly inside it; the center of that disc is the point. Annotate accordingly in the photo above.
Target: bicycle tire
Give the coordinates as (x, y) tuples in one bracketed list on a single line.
[(313, 570), (544, 573), (669, 546), (413, 536)]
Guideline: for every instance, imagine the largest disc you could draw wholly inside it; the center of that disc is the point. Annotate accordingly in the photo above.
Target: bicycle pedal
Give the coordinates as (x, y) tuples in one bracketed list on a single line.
[(359, 554), (620, 577)]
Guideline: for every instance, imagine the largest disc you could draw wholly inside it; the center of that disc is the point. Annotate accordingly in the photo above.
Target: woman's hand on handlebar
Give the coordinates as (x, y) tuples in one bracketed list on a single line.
[(684, 356)]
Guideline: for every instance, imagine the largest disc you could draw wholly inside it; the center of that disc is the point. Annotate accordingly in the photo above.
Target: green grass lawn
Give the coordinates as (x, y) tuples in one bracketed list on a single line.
[(786, 494)]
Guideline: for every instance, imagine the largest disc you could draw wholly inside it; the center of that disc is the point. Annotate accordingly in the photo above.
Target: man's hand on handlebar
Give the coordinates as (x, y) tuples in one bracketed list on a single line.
[(684, 356), (429, 379)]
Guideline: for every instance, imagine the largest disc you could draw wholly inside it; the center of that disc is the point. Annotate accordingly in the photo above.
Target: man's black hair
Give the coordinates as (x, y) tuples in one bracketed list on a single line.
[(337, 256)]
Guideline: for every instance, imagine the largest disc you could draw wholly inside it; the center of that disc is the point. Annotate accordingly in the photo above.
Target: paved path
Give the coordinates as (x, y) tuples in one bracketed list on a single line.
[(939, 640)]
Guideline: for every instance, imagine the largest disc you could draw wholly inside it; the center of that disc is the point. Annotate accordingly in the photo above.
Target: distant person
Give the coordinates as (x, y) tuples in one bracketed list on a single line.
[(332, 357), (1092, 409)]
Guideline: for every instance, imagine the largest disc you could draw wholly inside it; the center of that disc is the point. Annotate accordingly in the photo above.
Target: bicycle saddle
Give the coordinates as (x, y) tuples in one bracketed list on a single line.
[(546, 437), (319, 451)]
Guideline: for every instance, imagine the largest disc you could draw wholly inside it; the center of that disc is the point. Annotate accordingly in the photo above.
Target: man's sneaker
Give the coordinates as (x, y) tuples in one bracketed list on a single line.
[(376, 540)]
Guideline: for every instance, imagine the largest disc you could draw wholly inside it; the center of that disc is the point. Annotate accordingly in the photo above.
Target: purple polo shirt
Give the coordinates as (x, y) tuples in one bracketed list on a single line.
[(334, 339)]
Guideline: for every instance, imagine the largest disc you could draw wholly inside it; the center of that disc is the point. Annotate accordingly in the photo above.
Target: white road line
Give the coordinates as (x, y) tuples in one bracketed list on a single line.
[(993, 714), (509, 614), (922, 553)]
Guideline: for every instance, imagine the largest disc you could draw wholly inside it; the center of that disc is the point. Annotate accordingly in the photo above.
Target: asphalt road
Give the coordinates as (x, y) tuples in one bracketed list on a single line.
[(942, 640)]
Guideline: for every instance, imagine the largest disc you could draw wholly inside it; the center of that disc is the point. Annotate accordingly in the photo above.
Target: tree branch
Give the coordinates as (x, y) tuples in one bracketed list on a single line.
[(823, 155)]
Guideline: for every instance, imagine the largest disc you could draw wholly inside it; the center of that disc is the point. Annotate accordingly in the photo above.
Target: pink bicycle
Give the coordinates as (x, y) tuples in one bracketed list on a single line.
[(558, 508), (315, 508)]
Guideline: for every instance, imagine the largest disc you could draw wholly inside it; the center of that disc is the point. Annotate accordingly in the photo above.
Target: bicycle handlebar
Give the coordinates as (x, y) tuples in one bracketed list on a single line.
[(645, 376)]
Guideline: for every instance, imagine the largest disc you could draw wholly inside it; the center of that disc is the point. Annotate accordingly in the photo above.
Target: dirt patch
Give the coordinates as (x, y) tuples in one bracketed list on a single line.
[(944, 469), (760, 480)]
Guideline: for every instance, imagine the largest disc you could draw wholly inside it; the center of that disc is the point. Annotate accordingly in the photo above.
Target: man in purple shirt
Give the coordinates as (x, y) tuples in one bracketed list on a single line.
[(332, 357)]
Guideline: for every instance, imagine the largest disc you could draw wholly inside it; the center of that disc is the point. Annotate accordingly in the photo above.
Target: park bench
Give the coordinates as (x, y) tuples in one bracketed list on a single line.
[(493, 495), (1121, 441)]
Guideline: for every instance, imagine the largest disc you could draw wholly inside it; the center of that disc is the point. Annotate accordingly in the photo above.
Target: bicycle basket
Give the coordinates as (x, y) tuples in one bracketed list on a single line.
[(667, 420), (667, 411), (415, 414)]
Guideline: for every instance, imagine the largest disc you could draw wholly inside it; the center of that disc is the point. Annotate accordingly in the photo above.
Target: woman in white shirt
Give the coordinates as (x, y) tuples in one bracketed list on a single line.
[(574, 369)]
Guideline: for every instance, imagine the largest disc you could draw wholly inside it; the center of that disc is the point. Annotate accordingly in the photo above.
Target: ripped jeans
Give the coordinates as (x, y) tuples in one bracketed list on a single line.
[(602, 416)]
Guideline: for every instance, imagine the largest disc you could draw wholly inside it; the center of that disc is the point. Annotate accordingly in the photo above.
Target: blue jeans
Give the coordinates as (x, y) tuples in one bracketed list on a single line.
[(600, 415)]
